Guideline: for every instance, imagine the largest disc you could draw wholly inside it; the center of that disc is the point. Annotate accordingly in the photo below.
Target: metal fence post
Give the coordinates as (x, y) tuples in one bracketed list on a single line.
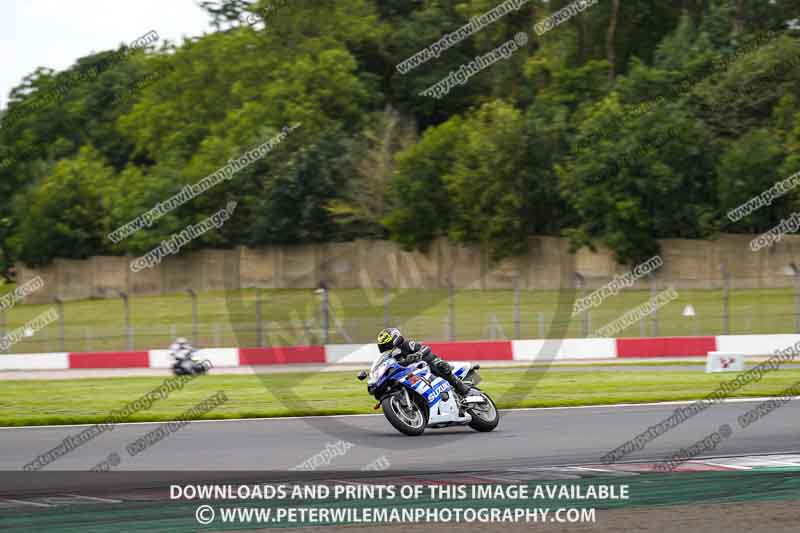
[(792, 270), (308, 325), (60, 305), (194, 314), (323, 293), (653, 291), (580, 281), (128, 332), (385, 304), (3, 325), (584, 320), (517, 319), (797, 302), (259, 327), (338, 325), (725, 301), (451, 310)]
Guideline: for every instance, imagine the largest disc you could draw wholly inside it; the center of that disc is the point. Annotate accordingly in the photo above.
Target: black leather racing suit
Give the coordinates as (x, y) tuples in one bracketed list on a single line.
[(413, 352)]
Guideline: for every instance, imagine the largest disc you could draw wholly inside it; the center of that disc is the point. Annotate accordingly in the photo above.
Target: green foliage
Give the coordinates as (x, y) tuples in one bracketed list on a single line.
[(63, 216), (650, 180), (366, 200), (290, 206), (750, 165), (501, 188), (542, 142), (744, 96), (421, 204), (487, 184)]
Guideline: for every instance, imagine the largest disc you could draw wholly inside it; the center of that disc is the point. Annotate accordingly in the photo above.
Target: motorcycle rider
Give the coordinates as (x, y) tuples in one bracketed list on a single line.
[(412, 352), (181, 349)]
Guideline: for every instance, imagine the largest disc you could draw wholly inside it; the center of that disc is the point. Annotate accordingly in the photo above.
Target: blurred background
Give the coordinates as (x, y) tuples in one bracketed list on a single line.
[(628, 125), (278, 317)]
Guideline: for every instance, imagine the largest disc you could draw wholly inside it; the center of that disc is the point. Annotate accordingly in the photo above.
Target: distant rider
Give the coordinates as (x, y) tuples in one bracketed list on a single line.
[(185, 363), (412, 352), (181, 349)]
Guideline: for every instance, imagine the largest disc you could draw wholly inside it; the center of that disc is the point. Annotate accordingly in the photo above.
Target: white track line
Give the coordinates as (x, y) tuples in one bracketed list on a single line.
[(23, 502), (516, 409), (717, 463), (587, 469), (93, 498), (640, 461)]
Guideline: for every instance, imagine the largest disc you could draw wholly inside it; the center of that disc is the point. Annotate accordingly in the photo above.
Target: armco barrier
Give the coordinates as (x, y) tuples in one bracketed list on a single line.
[(518, 350), (474, 350), (35, 361), (478, 350), (666, 346), (109, 360), (755, 344), (286, 355), (350, 353), (554, 349)]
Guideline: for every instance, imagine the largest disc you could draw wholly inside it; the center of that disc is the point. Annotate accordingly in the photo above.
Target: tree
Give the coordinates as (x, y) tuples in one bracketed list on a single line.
[(63, 216), (501, 188), (652, 179), (421, 207), (743, 96), (366, 201), (629, 122), (291, 206), (610, 44), (749, 166)]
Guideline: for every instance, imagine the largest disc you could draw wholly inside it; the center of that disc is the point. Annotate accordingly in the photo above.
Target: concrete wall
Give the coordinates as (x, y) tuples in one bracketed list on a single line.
[(373, 264)]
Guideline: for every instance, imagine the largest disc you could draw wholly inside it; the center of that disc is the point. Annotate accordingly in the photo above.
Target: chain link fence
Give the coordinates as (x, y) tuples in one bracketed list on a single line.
[(274, 317)]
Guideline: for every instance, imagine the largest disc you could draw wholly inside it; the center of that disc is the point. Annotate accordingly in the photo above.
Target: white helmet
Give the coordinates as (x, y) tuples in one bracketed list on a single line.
[(181, 345)]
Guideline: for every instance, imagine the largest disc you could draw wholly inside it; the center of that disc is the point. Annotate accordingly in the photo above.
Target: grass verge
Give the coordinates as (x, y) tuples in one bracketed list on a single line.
[(86, 401)]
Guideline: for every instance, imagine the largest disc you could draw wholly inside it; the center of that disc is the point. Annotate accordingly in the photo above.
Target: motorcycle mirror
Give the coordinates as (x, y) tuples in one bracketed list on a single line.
[(362, 375)]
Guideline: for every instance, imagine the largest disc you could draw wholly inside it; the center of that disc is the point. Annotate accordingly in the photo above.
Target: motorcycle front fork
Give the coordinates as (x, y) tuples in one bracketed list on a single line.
[(407, 397)]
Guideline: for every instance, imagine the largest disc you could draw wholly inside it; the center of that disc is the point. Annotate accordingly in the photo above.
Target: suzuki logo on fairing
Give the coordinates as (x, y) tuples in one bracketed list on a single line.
[(439, 389)]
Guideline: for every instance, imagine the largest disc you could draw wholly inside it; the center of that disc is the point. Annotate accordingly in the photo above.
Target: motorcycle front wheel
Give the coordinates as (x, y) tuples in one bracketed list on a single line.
[(485, 416), (407, 419)]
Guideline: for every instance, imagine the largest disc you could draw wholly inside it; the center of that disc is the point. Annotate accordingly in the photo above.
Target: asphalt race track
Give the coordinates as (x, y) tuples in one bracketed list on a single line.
[(525, 438), (753, 472)]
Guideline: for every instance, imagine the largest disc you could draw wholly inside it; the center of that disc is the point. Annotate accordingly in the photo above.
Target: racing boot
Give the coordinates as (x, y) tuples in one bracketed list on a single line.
[(468, 394), (459, 386), (463, 390)]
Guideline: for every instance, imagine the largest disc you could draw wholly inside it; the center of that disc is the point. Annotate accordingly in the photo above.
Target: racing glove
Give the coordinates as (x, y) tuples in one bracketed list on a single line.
[(412, 358)]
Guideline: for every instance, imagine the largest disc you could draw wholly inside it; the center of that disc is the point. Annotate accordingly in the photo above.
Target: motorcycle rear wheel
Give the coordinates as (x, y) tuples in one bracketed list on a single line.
[(409, 420), (485, 416)]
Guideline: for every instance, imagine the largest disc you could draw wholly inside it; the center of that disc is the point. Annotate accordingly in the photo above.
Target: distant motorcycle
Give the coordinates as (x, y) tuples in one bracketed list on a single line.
[(413, 398), (191, 367), (186, 364)]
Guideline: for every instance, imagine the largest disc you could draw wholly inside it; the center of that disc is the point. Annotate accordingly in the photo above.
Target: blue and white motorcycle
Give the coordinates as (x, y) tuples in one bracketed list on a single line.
[(413, 398)]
